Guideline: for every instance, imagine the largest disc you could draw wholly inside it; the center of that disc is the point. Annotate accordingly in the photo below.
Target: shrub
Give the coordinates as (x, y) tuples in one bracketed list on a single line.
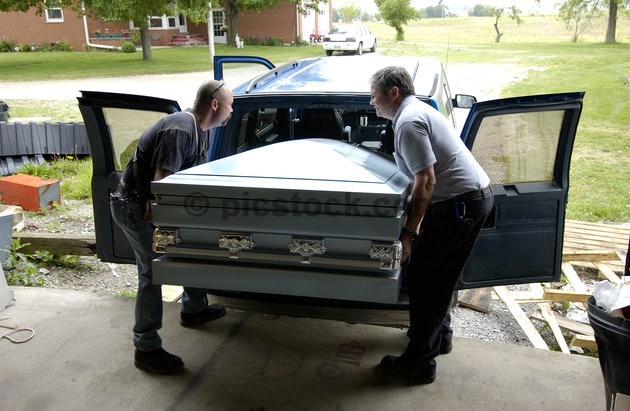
[(273, 41), (299, 42), (20, 268), (7, 46), (251, 41), (128, 47), (62, 45), (27, 47)]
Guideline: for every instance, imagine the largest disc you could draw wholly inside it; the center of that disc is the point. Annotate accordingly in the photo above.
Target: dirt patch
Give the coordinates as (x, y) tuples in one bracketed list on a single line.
[(88, 273)]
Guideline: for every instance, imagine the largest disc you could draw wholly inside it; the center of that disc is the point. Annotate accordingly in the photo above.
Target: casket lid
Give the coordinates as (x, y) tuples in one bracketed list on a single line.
[(320, 167)]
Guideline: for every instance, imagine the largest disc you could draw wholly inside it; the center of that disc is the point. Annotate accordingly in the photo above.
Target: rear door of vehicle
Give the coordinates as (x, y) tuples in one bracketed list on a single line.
[(114, 123), (525, 145)]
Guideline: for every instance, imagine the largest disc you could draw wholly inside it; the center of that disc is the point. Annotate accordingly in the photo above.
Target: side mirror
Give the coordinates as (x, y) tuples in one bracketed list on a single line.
[(464, 101)]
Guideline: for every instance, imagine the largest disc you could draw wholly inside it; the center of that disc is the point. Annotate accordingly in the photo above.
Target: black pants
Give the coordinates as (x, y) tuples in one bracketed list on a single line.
[(447, 236)]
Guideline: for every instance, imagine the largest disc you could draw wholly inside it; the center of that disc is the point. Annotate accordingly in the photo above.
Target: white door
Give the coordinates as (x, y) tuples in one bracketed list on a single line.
[(218, 21), (183, 24)]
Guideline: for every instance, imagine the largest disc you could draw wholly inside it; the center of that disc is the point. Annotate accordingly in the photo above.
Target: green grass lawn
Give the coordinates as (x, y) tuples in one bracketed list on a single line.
[(600, 172)]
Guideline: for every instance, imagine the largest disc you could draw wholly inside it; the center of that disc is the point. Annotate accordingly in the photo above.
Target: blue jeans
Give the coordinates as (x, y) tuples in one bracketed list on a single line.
[(446, 240), (129, 216)]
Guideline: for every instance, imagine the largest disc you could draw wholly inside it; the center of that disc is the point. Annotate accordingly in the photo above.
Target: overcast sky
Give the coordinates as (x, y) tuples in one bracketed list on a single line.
[(524, 5)]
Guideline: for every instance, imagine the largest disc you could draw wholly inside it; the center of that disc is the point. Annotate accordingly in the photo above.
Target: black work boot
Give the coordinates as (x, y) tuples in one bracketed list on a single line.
[(210, 313), (407, 367), (158, 361)]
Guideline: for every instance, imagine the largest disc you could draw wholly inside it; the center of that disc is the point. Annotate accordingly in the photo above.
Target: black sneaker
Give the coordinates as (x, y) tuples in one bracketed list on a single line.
[(401, 367), (210, 313), (158, 361)]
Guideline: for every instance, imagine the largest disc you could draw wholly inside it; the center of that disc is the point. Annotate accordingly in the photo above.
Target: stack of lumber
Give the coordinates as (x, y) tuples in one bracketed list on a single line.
[(601, 247)]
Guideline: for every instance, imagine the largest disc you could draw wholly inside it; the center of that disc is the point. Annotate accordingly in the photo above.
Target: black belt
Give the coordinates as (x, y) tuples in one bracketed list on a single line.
[(482, 192), (127, 192)]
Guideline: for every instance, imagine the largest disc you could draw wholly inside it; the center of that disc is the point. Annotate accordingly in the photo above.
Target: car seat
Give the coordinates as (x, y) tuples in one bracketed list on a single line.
[(320, 122)]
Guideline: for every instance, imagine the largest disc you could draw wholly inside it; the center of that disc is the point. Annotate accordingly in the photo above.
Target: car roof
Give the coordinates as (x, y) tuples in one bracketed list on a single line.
[(342, 74)]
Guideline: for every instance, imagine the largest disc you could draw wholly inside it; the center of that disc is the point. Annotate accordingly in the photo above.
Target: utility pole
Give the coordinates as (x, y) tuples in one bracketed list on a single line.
[(210, 32)]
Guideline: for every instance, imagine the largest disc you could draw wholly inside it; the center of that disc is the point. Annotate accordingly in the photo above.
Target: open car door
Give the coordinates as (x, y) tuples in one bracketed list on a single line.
[(525, 145), (114, 123)]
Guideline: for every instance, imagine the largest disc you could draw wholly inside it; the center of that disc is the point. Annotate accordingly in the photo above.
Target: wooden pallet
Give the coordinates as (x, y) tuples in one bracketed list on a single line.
[(581, 237)]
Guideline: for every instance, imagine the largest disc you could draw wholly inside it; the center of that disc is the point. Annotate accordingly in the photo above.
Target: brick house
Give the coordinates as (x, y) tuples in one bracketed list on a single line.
[(57, 24)]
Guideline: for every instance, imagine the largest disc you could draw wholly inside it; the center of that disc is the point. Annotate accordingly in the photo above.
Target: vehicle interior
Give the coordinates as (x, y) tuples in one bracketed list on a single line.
[(274, 124)]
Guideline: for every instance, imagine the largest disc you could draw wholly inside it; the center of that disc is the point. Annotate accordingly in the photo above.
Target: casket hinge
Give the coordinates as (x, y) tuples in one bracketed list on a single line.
[(389, 254), (235, 242), (306, 248)]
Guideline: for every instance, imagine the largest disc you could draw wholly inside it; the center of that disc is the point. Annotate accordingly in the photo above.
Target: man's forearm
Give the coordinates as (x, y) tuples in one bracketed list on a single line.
[(420, 197)]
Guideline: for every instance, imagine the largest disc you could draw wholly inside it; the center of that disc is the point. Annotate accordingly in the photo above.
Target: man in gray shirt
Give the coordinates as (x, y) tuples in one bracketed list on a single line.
[(450, 201)]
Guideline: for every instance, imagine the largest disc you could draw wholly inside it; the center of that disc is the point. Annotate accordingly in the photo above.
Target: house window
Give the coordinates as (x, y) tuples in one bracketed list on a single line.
[(54, 14), (163, 22)]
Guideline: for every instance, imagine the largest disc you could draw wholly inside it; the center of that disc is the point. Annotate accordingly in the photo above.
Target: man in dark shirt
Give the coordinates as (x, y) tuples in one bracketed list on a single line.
[(175, 142)]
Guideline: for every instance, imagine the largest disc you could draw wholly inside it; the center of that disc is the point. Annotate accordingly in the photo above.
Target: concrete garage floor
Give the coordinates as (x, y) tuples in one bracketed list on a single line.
[(81, 358)]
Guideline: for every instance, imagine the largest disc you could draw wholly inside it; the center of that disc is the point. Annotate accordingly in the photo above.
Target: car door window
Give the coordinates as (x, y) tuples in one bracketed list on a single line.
[(125, 127), (519, 147)]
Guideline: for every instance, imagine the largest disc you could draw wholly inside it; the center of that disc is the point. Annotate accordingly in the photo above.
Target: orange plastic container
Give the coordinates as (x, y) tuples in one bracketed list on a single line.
[(29, 192)]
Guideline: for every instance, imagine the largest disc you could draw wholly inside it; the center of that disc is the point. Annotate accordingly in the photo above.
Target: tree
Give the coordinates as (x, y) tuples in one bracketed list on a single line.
[(438, 11), (613, 8), (481, 10), (514, 14), (577, 15), (397, 13), (350, 11)]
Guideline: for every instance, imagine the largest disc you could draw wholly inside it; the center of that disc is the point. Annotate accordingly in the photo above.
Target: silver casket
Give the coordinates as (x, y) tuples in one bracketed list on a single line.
[(314, 218)]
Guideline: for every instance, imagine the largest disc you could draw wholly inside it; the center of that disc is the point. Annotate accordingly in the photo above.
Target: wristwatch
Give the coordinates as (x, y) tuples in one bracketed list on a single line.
[(410, 234)]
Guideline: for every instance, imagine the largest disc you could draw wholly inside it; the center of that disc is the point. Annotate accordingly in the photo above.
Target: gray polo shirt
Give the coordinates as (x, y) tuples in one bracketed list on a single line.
[(423, 137)]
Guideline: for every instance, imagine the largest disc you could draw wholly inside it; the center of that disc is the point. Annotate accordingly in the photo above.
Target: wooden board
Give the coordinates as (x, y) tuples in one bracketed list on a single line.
[(526, 325), (589, 255), (479, 299), (171, 293), (61, 244), (565, 295), (568, 324), (574, 280), (604, 272), (584, 341), (550, 318)]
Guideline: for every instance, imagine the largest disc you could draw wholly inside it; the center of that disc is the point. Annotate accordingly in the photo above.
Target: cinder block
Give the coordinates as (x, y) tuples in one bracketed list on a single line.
[(30, 192)]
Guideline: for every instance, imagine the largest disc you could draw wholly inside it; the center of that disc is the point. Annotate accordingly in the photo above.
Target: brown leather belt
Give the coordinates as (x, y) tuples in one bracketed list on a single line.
[(482, 192)]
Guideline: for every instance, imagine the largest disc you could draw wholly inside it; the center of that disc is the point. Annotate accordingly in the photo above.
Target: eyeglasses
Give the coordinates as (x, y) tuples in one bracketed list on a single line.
[(215, 90)]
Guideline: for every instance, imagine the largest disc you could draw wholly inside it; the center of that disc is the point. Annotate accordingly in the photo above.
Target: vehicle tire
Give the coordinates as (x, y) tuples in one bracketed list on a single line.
[(329, 52), (373, 49), (360, 49)]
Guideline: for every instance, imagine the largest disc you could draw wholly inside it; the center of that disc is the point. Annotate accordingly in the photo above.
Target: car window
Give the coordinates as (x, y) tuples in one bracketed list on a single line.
[(339, 29), (444, 97), (519, 147), (270, 125), (125, 128)]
